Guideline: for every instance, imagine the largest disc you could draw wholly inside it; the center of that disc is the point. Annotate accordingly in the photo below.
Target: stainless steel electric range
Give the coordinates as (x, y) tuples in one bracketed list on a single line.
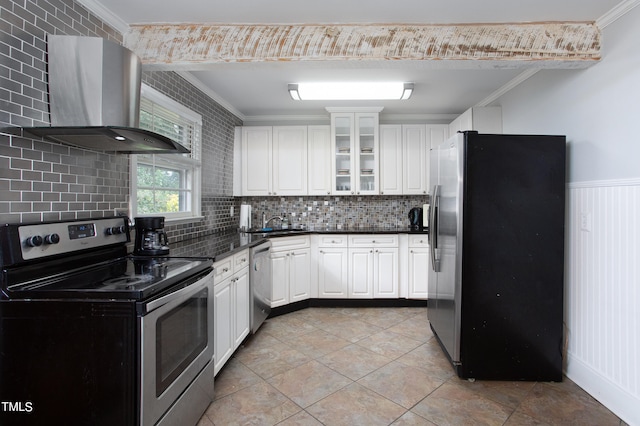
[(91, 335)]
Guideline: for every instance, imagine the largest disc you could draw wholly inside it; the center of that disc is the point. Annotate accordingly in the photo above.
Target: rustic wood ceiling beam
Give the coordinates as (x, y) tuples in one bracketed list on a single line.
[(540, 45)]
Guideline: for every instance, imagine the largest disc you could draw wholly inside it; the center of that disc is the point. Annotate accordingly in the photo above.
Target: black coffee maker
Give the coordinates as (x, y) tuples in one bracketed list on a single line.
[(415, 218), (151, 240)]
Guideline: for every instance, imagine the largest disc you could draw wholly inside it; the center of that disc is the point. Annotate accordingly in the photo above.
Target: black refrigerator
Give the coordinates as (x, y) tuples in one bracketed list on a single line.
[(496, 279)]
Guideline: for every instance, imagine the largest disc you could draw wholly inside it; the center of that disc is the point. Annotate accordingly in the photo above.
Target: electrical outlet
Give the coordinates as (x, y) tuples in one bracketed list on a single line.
[(585, 222), (232, 210)]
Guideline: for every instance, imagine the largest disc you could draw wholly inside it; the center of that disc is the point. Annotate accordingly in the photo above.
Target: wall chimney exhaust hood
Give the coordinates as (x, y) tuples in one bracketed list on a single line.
[(94, 98)]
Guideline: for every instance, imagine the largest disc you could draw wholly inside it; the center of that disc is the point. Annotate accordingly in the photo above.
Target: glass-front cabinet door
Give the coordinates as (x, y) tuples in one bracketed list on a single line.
[(342, 135), (367, 146), (355, 149)]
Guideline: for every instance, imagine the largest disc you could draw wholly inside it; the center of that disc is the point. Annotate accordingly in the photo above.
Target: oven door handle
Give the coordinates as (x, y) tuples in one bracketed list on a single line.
[(186, 292)]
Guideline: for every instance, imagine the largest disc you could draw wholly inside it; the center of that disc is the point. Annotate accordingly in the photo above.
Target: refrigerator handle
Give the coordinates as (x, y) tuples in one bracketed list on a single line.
[(433, 229)]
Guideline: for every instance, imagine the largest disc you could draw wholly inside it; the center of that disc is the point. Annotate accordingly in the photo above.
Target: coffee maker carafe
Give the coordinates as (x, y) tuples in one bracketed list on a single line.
[(151, 240), (415, 219)]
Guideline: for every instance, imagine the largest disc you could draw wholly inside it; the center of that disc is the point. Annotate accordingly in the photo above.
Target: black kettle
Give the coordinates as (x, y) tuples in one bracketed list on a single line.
[(415, 218)]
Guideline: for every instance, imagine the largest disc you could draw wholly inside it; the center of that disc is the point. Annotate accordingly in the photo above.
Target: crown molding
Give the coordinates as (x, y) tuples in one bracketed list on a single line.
[(616, 12), (105, 15), (507, 87)]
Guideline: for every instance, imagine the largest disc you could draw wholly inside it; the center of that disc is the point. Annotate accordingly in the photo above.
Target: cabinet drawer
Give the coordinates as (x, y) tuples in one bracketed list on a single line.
[(373, 240), (223, 269), (290, 243), (240, 260), (333, 240), (418, 240)]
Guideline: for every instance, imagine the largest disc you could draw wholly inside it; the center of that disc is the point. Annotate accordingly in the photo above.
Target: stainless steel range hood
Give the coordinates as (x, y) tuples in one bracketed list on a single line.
[(94, 98)]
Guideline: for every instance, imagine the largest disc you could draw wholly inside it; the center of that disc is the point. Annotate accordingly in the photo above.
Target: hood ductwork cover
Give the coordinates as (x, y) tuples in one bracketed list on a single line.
[(94, 98)]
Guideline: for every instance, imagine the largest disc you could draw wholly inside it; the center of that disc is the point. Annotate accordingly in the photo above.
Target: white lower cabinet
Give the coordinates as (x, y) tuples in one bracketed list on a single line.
[(332, 259), (332, 273), (385, 274), (290, 269), (242, 326), (373, 266), (373, 273), (360, 273), (418, 267), (231, 306)]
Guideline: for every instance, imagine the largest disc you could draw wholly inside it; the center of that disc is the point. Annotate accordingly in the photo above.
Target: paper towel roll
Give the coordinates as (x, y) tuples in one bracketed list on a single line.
[(425, 216), (245, 217)]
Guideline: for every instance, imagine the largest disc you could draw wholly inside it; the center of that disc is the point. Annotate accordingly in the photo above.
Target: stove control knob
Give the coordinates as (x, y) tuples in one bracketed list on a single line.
[(52, 239), (35, 241), (115, 230)]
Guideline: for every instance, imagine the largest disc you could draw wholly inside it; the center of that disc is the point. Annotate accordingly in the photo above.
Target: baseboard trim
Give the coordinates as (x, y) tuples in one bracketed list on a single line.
[(622, 403), (347, 303)]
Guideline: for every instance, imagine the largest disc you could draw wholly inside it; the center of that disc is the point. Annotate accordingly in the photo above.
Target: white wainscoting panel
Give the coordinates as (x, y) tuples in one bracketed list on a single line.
[(602, 290)]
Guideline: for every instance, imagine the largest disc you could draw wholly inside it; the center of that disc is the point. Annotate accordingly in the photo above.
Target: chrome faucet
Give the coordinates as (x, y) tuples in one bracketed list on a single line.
[(266, 221)]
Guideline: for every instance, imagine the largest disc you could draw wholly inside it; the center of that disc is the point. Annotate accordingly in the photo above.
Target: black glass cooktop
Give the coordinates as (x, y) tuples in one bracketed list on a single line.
[(124, 278)]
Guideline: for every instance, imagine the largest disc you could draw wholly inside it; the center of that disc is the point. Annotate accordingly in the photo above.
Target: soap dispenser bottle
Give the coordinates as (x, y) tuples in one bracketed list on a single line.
[(285, 221)]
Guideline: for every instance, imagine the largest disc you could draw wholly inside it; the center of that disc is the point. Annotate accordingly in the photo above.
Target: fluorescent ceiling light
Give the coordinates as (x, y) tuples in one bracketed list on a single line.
[(350, 91)]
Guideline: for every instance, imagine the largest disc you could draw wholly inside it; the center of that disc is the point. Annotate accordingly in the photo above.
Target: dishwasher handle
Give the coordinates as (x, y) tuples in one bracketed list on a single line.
[(262, 250)]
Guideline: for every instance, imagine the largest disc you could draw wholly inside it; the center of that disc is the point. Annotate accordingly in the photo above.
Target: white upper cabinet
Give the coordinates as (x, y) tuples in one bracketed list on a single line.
[(289, 160), (342, 147), (274, 160), (319, 156), (355, 152), (415, 164), (391, 153), (435, 135), (352, 156), (367, 150), (480, 119), (404, 157), (256, 160)]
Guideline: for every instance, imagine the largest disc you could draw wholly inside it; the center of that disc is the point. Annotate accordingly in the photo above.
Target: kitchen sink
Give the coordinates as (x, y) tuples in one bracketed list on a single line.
[(276, 231)]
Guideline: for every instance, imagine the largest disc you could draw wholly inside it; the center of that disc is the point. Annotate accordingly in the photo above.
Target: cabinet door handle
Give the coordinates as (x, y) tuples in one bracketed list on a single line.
[(225, 270), (322, 251)]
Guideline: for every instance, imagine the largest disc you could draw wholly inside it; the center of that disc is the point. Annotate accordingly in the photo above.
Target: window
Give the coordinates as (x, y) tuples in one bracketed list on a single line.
[(167, 184)]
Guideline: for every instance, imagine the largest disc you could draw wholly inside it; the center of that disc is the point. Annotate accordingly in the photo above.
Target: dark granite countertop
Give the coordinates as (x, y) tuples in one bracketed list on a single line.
[(216, 246), (223, 244)]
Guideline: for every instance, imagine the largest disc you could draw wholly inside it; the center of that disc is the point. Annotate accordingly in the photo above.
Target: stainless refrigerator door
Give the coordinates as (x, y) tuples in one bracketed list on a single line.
[(445, 275)]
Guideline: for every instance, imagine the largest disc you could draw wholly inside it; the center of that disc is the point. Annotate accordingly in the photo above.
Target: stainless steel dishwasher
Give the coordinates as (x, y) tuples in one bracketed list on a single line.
[(260, 282)]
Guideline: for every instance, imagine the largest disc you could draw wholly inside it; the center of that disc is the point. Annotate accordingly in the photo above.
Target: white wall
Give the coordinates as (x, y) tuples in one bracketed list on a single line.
[(598, 109)]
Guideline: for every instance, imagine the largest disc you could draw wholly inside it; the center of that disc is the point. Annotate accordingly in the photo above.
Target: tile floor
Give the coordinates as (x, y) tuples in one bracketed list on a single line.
[(375, 366)]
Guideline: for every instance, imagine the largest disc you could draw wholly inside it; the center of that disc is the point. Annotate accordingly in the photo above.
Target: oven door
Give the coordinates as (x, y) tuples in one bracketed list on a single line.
[(176, 345)]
